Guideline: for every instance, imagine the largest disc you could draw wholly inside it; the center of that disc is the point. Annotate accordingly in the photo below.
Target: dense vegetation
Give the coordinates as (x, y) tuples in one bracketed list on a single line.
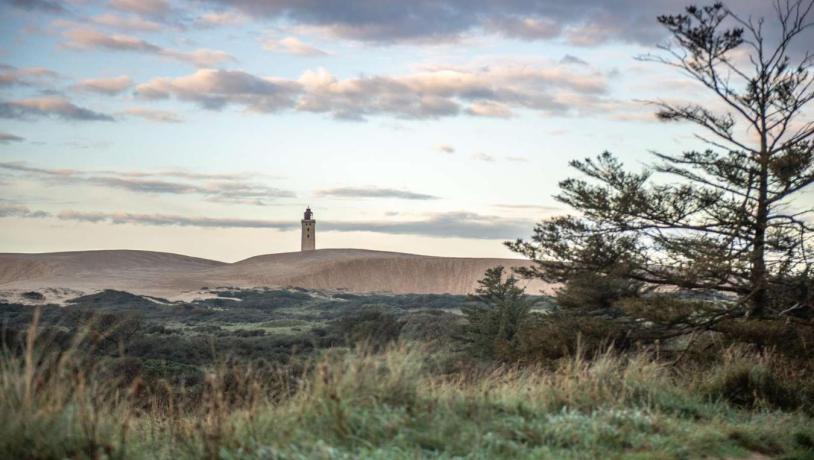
[(308, 374), (156, 339)]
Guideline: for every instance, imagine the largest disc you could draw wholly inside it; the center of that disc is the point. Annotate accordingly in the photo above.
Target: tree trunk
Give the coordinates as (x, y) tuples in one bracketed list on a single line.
[(758, 274)]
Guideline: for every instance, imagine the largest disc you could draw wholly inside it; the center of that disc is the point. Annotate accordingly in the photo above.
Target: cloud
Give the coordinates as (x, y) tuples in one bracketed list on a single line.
[(571, 59), (483, 157), (86, 144), (6, 138), (446, 148), (517, 159), (220, 188), (361, 20), (214, 89), (447, 91), (580, 22), (25, 168), (145, 7), (48, 6), (489, 109), (448, 20), (8, 210), (161, 116), (445, 225), (49, 106), (27, 76), (530, 211), (490, 91), (172, 220), (528, 207), (593, 34), (132, 23), (88, 38), (200, 57), (191, 175), (223, 18), (293, 45), (109, 85), (374, 192), (526, 28)]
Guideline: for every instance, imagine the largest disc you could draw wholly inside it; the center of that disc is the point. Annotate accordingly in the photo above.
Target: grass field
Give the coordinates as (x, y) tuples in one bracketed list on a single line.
[(247, 396), (398, 403)]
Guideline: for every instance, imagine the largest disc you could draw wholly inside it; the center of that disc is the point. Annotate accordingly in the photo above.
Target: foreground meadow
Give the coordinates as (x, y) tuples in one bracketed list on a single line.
[(407, 401)]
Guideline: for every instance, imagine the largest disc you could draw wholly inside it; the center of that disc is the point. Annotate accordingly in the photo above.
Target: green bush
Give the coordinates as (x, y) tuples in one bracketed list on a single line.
[(546, 337), (752, 381), (589, 291), (782, 336), (431, 325), (374, 326), (495, 314)]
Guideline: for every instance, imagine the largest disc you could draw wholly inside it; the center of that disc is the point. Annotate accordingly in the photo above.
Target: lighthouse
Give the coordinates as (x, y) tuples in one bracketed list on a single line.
[(309, 230)]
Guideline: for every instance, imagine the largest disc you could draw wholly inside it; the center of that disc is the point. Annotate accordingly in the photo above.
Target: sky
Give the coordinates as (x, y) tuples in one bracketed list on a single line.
[(205, 127)]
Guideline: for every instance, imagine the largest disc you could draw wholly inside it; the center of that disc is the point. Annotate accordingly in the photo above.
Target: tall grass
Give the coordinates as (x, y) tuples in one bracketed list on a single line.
[(396, 403)]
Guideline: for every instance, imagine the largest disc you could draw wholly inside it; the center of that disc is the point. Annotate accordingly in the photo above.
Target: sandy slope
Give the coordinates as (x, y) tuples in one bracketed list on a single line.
[(170, 275), (137, 271)]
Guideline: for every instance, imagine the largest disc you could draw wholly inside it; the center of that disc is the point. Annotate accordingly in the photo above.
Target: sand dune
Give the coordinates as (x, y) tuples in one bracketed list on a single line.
[(170, 275), (136, 271)]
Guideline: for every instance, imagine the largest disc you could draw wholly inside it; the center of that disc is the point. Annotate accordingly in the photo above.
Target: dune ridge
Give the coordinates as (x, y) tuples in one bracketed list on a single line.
[(169, 275)]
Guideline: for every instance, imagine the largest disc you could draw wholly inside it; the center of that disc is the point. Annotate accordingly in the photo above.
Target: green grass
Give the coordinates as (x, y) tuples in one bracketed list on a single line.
[(409, 400), (402, 402)]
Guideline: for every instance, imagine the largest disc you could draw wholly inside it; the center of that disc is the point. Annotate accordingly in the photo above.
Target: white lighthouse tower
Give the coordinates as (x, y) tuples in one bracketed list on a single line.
[(309, 230)]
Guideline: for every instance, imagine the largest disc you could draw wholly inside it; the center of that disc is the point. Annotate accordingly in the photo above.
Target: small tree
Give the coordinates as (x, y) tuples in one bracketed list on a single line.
[(731, 220), (496, 311)]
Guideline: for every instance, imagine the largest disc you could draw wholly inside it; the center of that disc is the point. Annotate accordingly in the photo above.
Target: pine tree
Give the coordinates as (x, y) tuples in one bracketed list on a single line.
[(731, 218), (495, 314)]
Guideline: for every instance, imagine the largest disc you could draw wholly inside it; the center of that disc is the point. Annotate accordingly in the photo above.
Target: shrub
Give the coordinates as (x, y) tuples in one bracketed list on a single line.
[(767, 334), (432, 325), (373, 325), (496, 312), (546, 337), (248, 333), (793, 293), (590, 291), (752, 381), (33, 295)]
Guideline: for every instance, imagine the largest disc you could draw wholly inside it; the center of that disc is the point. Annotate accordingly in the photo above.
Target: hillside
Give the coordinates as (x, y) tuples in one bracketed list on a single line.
[(169, 275)]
